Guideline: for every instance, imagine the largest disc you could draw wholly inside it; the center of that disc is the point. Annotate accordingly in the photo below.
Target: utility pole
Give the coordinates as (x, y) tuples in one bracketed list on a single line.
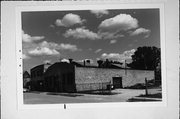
[(146, 81), (146, 84), (125, 67)]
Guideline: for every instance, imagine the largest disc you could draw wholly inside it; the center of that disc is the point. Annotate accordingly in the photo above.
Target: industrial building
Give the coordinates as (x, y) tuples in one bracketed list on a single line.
[(76, 77)]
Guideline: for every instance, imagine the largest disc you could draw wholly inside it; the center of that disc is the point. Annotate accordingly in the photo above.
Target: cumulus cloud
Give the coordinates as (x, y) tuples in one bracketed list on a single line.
[(139, 31), (69, 47), (61, 46), (118, 23), (110, 29), (113, 41), (98, 50), (115, 27), (33, 48), (65, 60), (81, 33), (129, 53), (109, 35), (29, 38), (126, 55), (111, 56), (46, 48), (43, 51), (99, 13), (69, 20), (24, 56)]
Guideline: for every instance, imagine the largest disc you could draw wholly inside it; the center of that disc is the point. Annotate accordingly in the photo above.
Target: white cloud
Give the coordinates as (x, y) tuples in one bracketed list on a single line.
[(145, 32), (116, 27), (121, 22), (43, 51), (65, 60), (81, 33), (126, 55), (99, 13), (56, 46), (69, 47), (24, 56), (46, 48), (29, 38), (109, 35), (112, 56), (69, 20), (50, 45), (98, 50), (58, 22), (113, 41), (129, 53)]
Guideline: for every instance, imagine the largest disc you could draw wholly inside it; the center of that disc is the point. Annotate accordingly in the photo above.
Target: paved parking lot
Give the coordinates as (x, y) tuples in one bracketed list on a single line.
[(118, 95)]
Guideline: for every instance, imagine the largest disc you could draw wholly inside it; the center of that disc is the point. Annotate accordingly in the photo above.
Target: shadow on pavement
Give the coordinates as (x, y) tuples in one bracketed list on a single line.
[(157, 95), (65, 94)]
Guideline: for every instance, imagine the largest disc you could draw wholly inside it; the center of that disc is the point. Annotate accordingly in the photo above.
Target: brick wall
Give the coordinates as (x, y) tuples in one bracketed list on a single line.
[(86, 77)]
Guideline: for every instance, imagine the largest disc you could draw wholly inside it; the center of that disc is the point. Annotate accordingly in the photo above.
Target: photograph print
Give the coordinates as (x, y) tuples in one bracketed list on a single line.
[(91, 56)]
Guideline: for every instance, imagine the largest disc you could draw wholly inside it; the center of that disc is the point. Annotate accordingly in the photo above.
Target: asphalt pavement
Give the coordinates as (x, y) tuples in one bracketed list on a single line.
[(118, 95)]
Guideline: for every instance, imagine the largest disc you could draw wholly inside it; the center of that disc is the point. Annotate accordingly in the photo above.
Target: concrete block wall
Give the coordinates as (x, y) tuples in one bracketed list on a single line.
[(137, 76), (84, 75), (91, 86)]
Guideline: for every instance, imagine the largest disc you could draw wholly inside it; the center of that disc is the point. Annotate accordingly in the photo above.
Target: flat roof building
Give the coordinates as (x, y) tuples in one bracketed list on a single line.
[(75, 77)]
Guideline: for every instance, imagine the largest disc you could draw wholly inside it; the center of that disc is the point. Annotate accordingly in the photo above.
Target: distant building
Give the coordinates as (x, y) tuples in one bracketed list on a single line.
[(37, 76), (77, 77), (26, 79)]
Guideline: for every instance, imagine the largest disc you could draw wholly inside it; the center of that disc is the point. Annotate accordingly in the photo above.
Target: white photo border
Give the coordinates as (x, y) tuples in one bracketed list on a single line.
[(20, 102)]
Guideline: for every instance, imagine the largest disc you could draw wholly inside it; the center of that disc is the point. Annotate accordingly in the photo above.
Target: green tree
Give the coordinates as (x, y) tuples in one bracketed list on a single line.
[(146, 58)]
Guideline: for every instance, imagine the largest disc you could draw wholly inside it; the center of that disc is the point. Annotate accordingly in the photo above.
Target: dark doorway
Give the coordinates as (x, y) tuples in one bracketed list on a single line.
[(117, 82)]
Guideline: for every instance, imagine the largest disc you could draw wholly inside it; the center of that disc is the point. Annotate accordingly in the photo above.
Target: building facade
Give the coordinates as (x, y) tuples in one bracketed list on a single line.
[(68, 77), (37, 77), (92, 78), (60, 77)]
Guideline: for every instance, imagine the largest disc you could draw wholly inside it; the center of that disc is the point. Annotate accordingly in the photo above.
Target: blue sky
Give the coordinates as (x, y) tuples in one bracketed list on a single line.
[(51, 36)]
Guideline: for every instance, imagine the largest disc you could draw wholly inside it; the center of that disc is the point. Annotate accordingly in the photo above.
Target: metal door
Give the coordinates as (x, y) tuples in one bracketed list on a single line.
[(117, 82)]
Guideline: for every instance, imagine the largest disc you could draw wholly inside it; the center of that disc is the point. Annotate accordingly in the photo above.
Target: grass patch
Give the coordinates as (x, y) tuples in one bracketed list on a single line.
[(141, 100), (157, 95), (101, 93)]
